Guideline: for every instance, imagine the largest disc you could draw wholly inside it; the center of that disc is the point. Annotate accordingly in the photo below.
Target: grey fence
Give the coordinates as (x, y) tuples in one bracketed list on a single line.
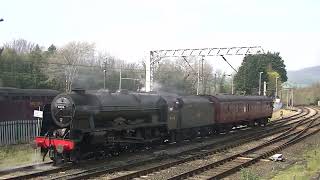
[(19, 131)]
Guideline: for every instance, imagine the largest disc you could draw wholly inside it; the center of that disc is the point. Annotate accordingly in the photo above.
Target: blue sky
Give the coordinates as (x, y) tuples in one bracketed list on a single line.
[(129, 29)]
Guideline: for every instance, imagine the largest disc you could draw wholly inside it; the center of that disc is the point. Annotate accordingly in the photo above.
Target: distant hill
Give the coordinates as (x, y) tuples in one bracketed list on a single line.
[(304, 77)]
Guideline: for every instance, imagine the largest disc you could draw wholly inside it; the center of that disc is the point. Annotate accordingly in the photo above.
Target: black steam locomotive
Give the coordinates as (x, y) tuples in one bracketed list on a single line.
[(81, 123)]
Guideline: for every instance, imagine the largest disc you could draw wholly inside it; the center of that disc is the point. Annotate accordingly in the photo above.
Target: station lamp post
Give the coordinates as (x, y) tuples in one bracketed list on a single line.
[(260, 83), (232, 86)]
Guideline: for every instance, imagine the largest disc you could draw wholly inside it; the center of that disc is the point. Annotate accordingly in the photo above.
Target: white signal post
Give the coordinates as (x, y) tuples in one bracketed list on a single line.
[(264, 88), (260, 83)]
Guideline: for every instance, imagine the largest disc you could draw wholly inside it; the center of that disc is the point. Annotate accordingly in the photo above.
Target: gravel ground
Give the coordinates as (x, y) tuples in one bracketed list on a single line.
[(167, 173), (293, 155)]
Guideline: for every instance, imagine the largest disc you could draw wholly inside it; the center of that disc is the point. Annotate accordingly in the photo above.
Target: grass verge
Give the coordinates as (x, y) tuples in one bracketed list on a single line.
[(15, 155), (247, 174), (305, 169)]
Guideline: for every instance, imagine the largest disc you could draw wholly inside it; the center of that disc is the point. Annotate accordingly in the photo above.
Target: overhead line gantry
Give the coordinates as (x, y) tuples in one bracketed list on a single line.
[(157, 55)]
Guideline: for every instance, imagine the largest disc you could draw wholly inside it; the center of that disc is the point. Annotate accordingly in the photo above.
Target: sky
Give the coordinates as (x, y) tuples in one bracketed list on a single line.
[(129, 29)]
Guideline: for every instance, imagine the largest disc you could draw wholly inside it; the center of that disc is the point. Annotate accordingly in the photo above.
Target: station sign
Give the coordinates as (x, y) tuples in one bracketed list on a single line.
[(38, 114)]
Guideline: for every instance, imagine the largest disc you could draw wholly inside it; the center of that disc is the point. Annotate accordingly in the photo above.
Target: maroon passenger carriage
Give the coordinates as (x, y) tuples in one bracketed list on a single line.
[(19, 104), (241, 110)]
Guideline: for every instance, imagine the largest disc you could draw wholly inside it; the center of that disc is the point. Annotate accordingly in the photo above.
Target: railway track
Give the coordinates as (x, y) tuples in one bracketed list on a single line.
[(234, 163), (31, 171), (183, 157), (223, 166), (23, 168), (79, 172)]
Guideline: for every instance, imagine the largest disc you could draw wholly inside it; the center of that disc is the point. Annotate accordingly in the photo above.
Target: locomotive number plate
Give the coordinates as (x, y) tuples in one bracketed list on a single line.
[(60, 107)]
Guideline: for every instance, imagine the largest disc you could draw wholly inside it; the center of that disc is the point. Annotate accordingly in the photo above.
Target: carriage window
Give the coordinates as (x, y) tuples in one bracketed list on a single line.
[(35, 98), (15, 97), (25, 97)]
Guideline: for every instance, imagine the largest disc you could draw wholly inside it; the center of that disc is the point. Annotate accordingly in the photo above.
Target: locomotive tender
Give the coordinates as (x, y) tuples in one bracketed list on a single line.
[(80, 123)]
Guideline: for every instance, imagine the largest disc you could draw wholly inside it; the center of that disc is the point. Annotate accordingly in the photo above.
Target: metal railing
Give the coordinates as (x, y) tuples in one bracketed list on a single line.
[(19, 131)]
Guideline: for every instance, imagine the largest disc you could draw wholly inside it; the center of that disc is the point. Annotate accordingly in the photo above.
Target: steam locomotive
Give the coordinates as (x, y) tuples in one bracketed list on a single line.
[(99, 122)]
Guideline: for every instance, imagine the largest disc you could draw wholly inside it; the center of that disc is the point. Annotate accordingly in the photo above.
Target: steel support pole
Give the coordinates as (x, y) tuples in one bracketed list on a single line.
[(105, 74), (292, 97), (232, 86), (198, 80), (202, 78), (67, 84), (260, 83), (148, 73), (215, 83), (120, 80), (287, 98), (264, 88)]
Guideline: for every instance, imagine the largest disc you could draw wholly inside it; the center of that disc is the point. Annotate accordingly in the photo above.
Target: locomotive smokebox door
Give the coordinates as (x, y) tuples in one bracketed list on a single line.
[(63, 110)]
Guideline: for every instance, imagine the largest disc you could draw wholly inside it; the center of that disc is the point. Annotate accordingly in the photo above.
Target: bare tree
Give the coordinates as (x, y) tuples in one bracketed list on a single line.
[(75, 54), (20, 46)]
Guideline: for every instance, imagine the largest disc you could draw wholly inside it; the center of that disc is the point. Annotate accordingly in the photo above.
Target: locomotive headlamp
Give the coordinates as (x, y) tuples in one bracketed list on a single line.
[(60, 149)]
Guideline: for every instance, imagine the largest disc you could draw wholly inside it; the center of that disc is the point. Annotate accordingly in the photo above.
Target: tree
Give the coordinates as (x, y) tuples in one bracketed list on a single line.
[(305, 95), (247, 77), (52, 48), (170, 76), (273, 78), (20, 66), (181, 76), (74, 54), (20, 46)]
